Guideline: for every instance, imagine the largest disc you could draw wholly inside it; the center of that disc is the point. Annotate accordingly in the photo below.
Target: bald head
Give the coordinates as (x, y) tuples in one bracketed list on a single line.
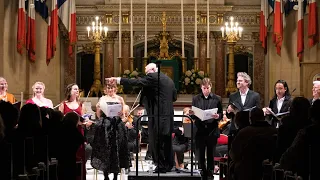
[(151, 68)]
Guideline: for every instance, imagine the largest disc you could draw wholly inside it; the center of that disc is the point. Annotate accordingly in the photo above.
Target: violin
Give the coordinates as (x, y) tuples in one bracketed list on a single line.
[(187, 120), (223, 123), (130, 119)]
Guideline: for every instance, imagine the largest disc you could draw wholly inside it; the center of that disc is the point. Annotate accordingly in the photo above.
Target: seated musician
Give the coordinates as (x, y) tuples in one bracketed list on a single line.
[(180, 143), (4, 95)]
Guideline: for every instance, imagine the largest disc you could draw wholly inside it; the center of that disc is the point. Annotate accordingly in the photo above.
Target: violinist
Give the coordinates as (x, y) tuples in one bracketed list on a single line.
[(180, 143), (224, 124), (130, 123)]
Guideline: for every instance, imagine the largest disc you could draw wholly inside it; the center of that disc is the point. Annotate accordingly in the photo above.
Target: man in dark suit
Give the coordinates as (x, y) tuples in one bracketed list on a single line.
[(243, 99), (315, 91), (207, 131), (151, 95)]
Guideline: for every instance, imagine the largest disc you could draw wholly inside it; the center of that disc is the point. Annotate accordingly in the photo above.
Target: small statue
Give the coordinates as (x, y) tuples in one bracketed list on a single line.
[(164, 53)]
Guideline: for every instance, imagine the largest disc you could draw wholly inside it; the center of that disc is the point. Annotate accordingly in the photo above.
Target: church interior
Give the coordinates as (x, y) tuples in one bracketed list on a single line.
[(269, 40)]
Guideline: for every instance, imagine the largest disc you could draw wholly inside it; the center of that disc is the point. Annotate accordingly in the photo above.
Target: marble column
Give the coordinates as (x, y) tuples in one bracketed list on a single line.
[(125, 51), (220, 72), (259, 68), (109, 55), (1, 37), (202, 36)]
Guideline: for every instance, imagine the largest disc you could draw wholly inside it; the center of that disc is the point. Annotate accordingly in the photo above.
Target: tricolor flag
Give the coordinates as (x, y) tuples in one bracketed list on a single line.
[(41, 8), (278, 25), (313, 30), (31, 32), (52, 31), (67, 14), (21, 31), (264, 13), (300, 35)]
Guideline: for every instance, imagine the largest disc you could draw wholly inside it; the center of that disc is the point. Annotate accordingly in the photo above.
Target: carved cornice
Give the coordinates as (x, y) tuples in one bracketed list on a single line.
[(217, 35), (111, 19), (111, 36), (243, 49), (202, 36), (125, 36), (256, 36)]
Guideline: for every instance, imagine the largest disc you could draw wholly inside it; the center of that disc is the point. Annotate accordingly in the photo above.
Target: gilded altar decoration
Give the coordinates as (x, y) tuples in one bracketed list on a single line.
[(191, 80), (164, 47)]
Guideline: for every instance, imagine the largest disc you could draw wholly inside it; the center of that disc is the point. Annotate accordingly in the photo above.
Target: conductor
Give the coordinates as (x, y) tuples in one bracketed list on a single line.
[(163, 157)]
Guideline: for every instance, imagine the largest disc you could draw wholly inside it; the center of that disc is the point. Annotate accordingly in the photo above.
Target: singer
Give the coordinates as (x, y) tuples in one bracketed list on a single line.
[(4, 95), (280, 102), (149, 98)]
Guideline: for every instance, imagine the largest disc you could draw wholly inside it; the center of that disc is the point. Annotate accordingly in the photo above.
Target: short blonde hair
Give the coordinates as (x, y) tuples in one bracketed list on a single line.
[(2, 79), (245, 76), (40, 83)]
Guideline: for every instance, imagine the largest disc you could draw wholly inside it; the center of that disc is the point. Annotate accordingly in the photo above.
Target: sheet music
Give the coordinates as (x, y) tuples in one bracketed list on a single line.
[(249, 109), (110, 110), (204, 114)]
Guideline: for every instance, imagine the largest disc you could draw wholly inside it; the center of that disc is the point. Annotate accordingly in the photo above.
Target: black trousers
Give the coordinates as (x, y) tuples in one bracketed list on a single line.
[(162, 154), (132, 147), (203, 143), (179, 149)]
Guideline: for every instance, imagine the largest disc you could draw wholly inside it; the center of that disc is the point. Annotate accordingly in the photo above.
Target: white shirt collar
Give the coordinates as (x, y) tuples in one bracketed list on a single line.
[(245, 94), (281, 99)]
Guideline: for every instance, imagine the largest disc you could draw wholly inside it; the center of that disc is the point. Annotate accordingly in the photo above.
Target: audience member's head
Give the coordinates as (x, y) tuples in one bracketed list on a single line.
[(299, 110), (315, 111), (281, 89), (9, 115), (71, 120), (56, 116), (256, 115), (242, 119), (30, 122)]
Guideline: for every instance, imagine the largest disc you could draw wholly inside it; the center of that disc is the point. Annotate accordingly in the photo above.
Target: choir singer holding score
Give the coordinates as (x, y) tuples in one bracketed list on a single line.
[(207, 131)]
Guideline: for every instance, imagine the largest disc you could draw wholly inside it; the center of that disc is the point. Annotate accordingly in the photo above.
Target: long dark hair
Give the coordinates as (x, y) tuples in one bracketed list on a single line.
[(67, 93), (285, 85)]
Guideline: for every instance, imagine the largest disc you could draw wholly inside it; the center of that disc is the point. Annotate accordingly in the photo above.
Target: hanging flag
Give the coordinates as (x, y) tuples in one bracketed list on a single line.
[(278, 25), (264, 23), (21, 31), (271, 3), (67, 14), (31, 36), (52, 34), (300, 35), (288, 6), (41, 8), (313, 30)]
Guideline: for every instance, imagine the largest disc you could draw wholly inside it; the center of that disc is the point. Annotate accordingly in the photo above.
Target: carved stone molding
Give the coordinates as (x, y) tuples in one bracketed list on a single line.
[(126, 36), (173, 18), (202, 36), (256, 36), (217, 35), (111, 36), (243, 49)]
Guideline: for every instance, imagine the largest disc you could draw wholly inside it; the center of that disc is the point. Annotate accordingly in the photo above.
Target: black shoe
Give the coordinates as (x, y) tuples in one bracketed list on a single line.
[(161, 170)]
